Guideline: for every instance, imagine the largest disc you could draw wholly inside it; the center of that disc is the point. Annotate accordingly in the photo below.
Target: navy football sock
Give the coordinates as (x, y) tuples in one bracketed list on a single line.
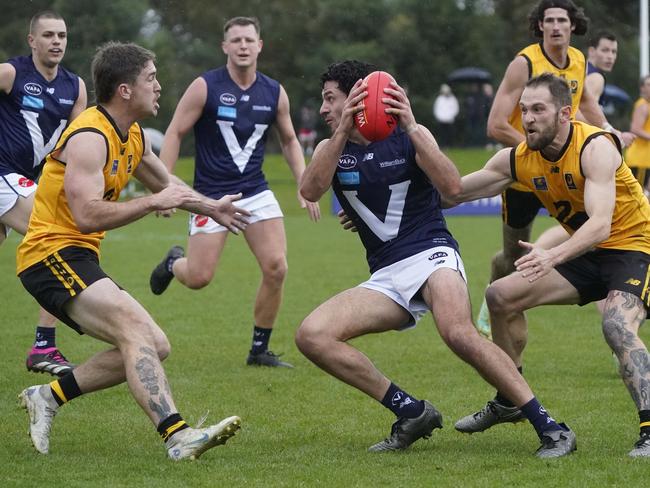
[(45, 338), (261, 337), (538, 416), (401, 403)]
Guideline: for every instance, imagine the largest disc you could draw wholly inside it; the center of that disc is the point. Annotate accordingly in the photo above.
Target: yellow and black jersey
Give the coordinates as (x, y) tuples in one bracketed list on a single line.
[(52, 226), (538, 62), (560, 186), (638, 154)]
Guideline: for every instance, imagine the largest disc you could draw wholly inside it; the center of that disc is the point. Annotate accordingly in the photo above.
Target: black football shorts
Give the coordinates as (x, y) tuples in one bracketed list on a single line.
[(597, 272), (519, 208), (61, 277)]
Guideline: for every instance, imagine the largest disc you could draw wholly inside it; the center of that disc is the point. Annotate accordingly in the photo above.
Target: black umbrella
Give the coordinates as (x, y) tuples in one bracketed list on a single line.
[(469, 74), (616, 95)]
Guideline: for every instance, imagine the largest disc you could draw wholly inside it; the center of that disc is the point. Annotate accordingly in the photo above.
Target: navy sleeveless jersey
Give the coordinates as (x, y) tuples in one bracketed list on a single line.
[(231, 135), (592, 69), (33, 116), (391, 201)]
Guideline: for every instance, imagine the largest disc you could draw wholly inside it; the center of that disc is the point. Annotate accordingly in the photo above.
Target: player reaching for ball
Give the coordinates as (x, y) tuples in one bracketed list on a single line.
[(391, 190), (58, 260)]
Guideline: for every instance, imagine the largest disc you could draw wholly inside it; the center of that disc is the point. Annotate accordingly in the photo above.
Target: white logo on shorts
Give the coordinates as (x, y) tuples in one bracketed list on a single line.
[(436, 255)]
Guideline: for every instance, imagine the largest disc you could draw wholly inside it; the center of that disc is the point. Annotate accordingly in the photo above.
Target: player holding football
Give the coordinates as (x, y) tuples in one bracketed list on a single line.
[(391, 191), (231, 110), (554, 21), (38, 98), (58, 260)]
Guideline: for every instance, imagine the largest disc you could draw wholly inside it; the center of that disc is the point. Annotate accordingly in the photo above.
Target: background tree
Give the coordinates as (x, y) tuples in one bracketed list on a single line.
[(419, 41)]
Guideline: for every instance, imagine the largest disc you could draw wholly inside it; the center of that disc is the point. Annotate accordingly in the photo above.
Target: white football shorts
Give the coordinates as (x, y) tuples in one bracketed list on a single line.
[(402, 280), (12, 187), (262, 206)]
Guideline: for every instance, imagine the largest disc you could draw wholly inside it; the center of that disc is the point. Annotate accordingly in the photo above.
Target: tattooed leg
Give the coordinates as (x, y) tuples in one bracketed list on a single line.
[(622, 317), (151, 389), (141, 369)]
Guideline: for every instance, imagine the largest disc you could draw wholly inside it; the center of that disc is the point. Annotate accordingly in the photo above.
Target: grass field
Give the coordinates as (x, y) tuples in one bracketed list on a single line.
[(302, 427)]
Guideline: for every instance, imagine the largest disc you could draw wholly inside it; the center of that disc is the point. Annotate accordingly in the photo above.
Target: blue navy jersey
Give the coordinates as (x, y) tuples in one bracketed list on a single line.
[(33, 116), (391, 201), (231, 135), (592, 69)]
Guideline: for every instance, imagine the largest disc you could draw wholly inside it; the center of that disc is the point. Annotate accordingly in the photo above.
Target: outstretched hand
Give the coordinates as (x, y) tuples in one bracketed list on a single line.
[(231, 217), (174, 196), (313, 208), (537, 263)]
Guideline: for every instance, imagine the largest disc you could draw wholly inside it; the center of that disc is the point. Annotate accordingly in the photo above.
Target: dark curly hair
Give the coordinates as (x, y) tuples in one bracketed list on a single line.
[(346, 73), (576, 14)]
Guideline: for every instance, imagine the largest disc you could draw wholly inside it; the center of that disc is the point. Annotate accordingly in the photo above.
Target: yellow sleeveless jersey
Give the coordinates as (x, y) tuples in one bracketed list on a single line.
[(638, 154), (560, 187), (52, 226), (538, 62)]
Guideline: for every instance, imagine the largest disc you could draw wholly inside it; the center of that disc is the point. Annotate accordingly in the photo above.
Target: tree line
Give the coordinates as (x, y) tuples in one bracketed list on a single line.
[(418, 41)]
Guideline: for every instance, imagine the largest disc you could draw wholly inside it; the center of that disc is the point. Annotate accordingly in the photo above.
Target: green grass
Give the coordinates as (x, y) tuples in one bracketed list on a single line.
[(302, 427)]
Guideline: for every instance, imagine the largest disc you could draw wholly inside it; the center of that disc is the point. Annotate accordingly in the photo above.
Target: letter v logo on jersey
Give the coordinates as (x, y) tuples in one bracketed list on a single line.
[(240, 155), (389, 227), (41, 148)]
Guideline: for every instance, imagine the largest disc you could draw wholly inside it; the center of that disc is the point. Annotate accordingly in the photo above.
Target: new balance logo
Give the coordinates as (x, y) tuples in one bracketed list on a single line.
[(633, 282)]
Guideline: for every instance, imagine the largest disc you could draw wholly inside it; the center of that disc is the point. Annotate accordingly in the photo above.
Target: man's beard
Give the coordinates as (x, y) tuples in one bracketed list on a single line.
[(544, 138)]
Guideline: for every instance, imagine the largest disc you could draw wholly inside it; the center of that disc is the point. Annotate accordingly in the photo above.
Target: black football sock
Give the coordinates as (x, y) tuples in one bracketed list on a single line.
[(172, 424), (65, 389), (644, 421)]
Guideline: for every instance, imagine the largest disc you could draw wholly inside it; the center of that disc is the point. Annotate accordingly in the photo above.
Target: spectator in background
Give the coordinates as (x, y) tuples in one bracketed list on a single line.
[(445, 111), (307, 132)]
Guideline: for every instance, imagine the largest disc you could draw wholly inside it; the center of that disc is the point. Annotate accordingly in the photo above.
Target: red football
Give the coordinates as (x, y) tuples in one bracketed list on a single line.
[(373, 123)]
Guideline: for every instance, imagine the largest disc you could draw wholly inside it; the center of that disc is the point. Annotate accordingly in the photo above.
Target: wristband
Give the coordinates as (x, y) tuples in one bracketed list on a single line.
[(412, 128), (608, 127)]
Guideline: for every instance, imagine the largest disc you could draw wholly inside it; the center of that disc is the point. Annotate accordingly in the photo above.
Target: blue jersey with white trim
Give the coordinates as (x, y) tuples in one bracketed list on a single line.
[(231, 135), (33, 116), (391, 201)]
